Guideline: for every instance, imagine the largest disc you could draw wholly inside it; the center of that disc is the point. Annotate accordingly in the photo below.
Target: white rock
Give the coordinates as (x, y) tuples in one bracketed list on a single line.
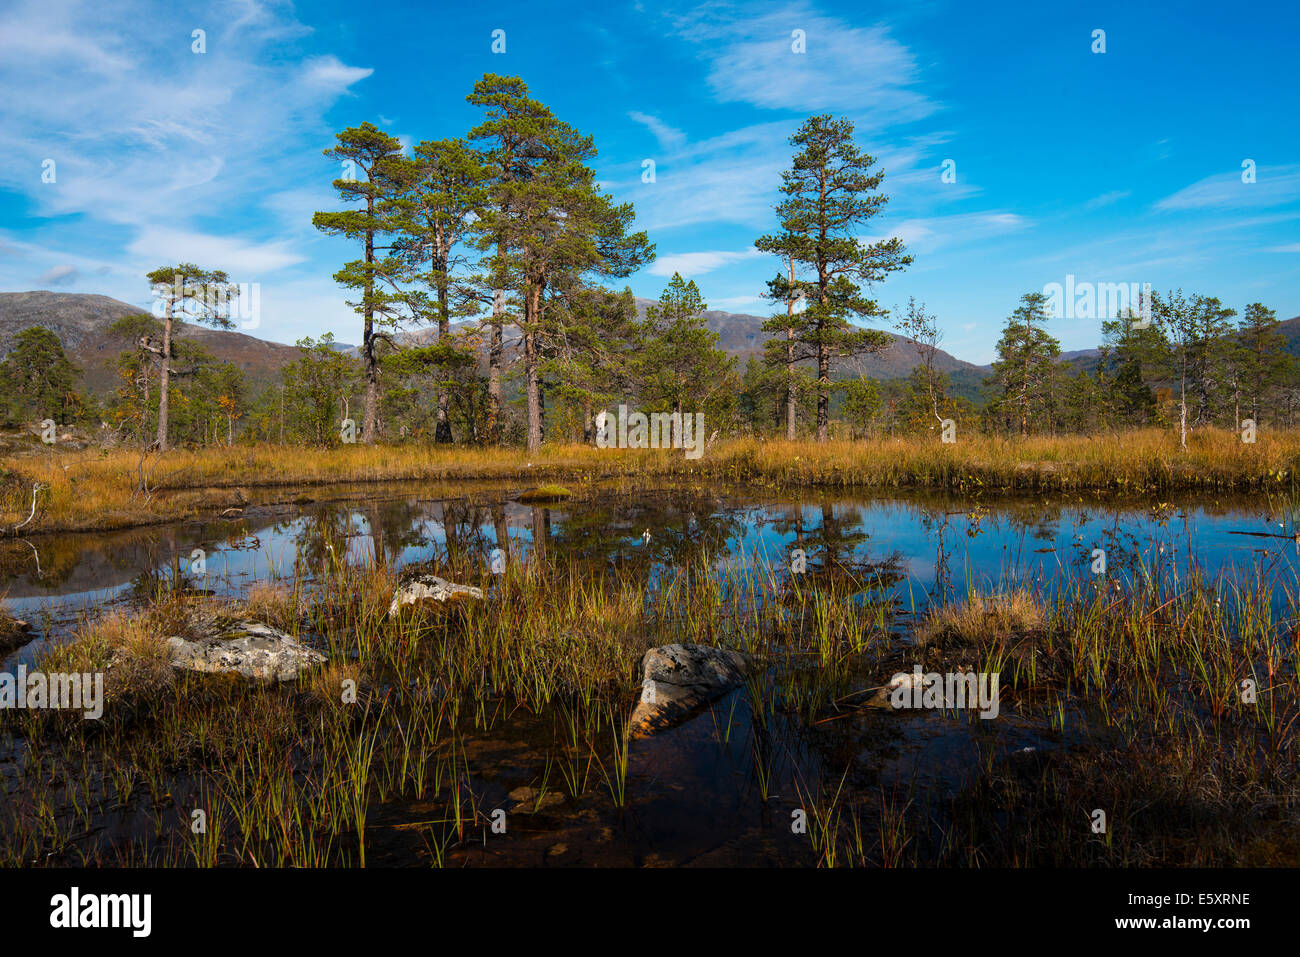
[(249, 648), (429, 588)]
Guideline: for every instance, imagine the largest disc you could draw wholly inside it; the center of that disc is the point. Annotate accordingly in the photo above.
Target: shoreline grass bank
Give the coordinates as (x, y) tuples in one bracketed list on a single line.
[(95, 490)]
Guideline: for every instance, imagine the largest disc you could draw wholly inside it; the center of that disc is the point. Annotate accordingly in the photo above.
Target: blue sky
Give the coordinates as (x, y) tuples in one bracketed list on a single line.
[(1122, 166)]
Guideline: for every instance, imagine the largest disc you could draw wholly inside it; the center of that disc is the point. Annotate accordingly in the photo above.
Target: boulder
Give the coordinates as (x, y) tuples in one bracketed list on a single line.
[(425, 588), (252, 649), (680, 678)]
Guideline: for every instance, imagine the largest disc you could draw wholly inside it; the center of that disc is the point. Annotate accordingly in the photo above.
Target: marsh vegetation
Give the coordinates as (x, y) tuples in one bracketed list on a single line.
[(1120, 691)]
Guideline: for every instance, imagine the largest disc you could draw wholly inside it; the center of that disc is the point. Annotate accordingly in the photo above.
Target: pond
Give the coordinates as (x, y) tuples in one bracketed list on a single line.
[(719, 788), (929, 546)]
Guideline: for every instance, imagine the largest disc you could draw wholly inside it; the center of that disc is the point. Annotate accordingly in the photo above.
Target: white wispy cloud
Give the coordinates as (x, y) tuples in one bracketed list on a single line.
[(1273, 186), (691, 265), (243, 259), (331, 73), (174, 146), (860, 69), (1105, 199), (729, 178), (667, 136), (58, 275), (733, 176), (928, 234)]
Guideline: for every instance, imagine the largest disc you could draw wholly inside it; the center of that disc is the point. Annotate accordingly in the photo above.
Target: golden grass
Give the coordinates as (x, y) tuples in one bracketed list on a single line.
[(94, 490), (982, 619), (276, 604), (127, 647)]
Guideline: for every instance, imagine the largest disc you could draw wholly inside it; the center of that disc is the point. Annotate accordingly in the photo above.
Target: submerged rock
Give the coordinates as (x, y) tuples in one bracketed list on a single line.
[(884, 696), (681, 678), (422, 588), (252, 649), (529, 800), (14, 633)]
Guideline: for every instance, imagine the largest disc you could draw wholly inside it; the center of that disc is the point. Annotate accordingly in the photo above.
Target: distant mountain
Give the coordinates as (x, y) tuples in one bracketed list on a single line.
[(81, 322), (1291, 329), (741, 335)]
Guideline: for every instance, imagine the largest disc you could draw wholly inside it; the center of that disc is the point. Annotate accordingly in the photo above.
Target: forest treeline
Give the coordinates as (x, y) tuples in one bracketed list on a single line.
[(486, 276)]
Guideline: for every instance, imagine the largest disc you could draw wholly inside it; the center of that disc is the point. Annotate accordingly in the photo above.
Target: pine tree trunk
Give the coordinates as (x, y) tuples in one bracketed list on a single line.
[(823, 394), (1024, 400), (532, 380), (370, 407), (790, 404), (370, 411), (534, 396), (442, 433), (164, 380), (494, 358)]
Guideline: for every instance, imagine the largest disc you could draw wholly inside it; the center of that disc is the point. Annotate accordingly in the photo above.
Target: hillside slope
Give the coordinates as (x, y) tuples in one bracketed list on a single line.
[(81, 322)]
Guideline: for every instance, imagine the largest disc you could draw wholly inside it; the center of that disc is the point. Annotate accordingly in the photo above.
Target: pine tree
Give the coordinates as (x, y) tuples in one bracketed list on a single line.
[(1265, 364), (683, 370), (1024, 371), (376, 155), (831, 193), (318, 387), (862, 404), (763, 402), (38, 381), (548, 225), (183, 292), (1132, 356), (441, 189), (1211, 357), (594, 339), (510, 142)]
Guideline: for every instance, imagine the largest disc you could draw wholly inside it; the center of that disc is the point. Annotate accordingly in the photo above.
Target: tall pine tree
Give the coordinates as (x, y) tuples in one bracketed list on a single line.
[(545, 222), (376, 156), (831, 193), (1024, 371)]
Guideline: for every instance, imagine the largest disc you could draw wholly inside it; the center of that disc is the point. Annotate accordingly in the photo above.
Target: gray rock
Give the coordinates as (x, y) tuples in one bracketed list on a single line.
[(680, 678), (422, 588), (236, 646)]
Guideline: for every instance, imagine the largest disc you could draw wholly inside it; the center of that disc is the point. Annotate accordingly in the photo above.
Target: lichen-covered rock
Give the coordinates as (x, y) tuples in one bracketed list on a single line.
[(424, 588), (252, 649), (680, 678)]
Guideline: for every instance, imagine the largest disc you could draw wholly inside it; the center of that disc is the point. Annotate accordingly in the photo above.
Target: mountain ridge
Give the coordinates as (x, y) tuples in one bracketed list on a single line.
[(81, 322)]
